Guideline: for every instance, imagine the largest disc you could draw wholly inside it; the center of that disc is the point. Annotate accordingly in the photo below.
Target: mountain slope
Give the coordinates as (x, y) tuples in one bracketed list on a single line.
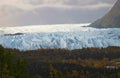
[(111, 19)]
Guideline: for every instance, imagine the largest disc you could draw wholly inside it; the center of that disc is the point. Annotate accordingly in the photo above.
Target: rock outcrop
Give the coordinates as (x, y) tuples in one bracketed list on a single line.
[(111, 19)]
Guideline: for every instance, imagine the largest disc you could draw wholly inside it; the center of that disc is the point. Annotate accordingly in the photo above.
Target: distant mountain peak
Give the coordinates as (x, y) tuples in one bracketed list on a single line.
[(111, 19)]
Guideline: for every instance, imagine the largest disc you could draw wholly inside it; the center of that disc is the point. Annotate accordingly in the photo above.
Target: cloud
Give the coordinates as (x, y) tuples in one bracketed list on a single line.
[(13, 12), (65, 4)]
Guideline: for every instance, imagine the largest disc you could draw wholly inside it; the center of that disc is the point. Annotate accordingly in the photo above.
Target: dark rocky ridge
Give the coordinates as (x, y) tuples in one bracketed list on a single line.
[(111, 19)]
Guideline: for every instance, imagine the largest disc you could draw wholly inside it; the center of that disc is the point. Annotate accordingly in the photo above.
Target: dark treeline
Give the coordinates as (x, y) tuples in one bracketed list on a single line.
[(60, 63)]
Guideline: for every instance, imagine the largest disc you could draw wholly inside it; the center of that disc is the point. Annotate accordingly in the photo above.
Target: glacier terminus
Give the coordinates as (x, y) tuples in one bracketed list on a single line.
[(66, 36)]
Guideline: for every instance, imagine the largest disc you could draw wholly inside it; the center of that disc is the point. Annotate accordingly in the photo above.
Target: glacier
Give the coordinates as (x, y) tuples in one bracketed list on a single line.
[(66, 36)]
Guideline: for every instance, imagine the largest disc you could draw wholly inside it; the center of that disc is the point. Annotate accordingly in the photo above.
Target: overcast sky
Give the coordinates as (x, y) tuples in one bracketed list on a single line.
[(34, 12)]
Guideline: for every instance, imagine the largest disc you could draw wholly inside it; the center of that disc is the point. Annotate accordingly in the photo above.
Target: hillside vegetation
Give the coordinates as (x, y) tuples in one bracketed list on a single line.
[(60, 63)]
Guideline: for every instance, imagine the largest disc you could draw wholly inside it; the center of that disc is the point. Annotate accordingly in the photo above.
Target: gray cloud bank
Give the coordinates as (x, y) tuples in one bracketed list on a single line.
[(29, 12)]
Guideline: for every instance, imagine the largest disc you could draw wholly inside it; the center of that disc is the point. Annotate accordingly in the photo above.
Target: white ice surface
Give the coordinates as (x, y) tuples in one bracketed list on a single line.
[(42, 28), (68, 36)]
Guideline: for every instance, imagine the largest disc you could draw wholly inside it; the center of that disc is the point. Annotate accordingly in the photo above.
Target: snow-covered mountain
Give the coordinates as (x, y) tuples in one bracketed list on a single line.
[(68, 36)]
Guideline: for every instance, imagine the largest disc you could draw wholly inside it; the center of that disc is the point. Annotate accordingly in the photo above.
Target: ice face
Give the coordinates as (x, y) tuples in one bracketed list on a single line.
[(59, 36)]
